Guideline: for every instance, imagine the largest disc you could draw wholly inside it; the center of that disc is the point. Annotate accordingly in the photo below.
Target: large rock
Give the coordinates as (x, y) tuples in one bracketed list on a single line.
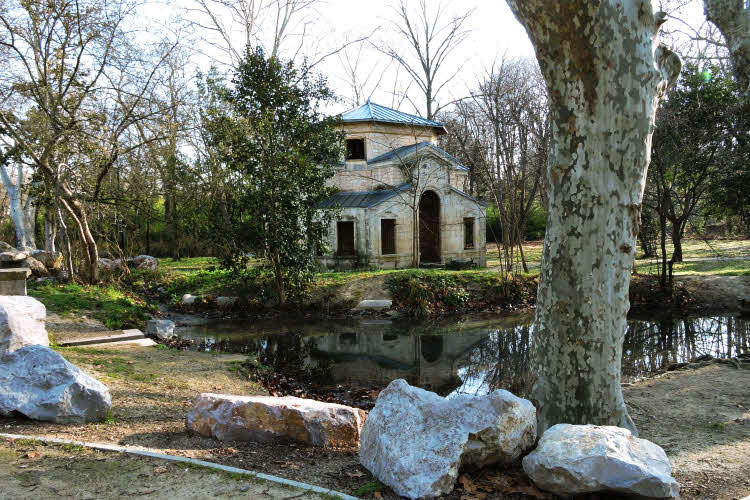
[(576, 459), (416, 441), (53, 261), (4, 247), (160, 328), (266, 419), (37, 268), (145, 262), (21, 323), (12, 257), (39, 383)]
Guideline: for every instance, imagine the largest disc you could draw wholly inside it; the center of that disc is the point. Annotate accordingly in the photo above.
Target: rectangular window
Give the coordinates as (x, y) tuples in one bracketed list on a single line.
[(345, 234), (468, 233), (355, 149), (388, 236)]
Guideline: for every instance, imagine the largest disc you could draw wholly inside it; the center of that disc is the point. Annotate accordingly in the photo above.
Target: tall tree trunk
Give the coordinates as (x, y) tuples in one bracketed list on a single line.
[(50, 229), (678, 228), (732, 17), (21, 213), (605, 75)]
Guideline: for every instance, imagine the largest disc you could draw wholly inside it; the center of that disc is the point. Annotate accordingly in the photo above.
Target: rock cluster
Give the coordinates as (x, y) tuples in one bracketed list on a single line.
[(42, 263), (266, 419), (21, 323), (416, 441), (40, 384), (579, 459)]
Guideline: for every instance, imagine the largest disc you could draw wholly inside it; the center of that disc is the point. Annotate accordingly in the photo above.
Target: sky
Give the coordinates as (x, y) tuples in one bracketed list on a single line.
[(493, 33)]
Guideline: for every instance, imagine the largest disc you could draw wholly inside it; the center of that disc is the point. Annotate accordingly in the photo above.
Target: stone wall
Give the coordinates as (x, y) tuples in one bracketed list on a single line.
[(453, 209), (381, 138)]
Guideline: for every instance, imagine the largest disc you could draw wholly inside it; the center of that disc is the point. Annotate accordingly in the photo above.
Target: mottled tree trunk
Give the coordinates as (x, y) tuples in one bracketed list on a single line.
[(732, 17), (21, 211), (605, 75)]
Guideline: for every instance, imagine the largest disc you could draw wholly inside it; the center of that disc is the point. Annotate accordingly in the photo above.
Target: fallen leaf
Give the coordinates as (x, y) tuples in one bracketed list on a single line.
[(468, 484), (32, 454), (377, 494), (355, 474), (160, 469)]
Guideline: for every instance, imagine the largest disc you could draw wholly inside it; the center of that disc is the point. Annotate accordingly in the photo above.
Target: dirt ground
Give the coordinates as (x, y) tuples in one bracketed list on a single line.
[(700, 417), (33, 470)]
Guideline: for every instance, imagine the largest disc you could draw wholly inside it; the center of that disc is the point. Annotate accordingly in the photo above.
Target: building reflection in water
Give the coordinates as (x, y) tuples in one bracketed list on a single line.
[(472, 355)]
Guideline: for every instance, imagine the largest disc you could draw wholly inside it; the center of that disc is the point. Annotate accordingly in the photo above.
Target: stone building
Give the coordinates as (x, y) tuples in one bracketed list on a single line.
[(393, 175)]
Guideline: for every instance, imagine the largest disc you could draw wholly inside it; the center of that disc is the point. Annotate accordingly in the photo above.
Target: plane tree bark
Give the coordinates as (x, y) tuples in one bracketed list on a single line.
[(605, 74), (732, 17)]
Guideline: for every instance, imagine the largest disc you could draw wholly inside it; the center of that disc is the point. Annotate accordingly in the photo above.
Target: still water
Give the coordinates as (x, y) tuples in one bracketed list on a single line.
[(474, 354)]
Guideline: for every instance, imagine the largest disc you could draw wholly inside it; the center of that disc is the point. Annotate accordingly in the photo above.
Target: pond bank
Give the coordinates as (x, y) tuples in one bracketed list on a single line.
[(701, 417)]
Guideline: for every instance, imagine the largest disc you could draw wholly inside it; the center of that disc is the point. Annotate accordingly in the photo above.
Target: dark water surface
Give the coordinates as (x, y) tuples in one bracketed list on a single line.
[(474, 354)]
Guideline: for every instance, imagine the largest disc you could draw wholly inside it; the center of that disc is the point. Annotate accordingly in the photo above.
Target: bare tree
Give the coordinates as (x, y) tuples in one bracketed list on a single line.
[(75, 85), (432, 35), (360, 74)]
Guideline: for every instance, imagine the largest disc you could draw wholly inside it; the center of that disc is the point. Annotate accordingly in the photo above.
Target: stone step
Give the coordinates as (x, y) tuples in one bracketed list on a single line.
[(374, 305), (104, 337)]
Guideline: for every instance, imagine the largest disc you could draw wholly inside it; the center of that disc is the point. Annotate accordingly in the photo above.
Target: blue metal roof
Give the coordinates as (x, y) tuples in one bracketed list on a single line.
[(361, 199), (371, 112), (466, 195), (404, 151)]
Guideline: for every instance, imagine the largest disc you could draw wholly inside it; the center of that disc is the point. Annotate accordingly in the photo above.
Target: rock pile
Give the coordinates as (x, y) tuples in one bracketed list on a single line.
[(41, 262)]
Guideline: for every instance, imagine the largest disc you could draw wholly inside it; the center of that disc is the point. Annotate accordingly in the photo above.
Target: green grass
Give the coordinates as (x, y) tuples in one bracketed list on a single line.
[(188, 263), (702, 268), (369, 487), (112, 306)]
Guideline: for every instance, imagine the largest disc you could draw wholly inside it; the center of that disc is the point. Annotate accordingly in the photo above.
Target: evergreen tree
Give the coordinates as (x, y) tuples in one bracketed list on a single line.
[(280, 150)]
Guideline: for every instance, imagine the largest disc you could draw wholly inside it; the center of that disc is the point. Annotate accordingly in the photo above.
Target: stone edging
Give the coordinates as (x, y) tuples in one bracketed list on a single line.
[(174, 458)]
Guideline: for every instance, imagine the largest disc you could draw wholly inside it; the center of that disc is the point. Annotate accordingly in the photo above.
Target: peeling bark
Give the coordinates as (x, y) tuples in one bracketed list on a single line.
[(605, 74), (732, 18)]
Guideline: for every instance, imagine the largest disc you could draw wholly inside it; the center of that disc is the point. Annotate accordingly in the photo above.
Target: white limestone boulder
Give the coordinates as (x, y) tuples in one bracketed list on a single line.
[(189, 299), (416, 441), (160, 328), (145, 262), (267, 419), (40, 384), (577, 459), (22, 323)]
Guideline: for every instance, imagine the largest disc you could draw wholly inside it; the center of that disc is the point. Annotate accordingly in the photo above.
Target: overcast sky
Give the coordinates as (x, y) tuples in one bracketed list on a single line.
[(494, 33)]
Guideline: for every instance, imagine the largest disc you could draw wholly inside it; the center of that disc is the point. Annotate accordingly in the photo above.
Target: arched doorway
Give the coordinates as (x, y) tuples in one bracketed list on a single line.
[(429, 227)]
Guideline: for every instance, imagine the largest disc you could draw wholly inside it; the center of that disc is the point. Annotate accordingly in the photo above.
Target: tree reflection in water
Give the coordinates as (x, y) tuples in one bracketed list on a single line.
[(471, 356), (502, 360)]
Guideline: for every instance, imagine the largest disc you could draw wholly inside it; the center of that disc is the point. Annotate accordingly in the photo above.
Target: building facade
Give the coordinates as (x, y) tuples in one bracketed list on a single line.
[(395, 179)]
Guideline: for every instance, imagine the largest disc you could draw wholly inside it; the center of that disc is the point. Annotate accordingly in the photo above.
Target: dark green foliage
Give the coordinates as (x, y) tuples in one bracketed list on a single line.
[(693, 142), (269, 131), (422, 293)]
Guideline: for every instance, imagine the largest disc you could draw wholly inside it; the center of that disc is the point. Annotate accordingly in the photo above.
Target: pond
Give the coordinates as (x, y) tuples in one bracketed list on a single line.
[(474, 354)]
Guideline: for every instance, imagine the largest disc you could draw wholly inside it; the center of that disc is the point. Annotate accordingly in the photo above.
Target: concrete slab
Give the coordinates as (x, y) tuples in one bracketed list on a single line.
[(374, 305), (95, 338), (125, 343)]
